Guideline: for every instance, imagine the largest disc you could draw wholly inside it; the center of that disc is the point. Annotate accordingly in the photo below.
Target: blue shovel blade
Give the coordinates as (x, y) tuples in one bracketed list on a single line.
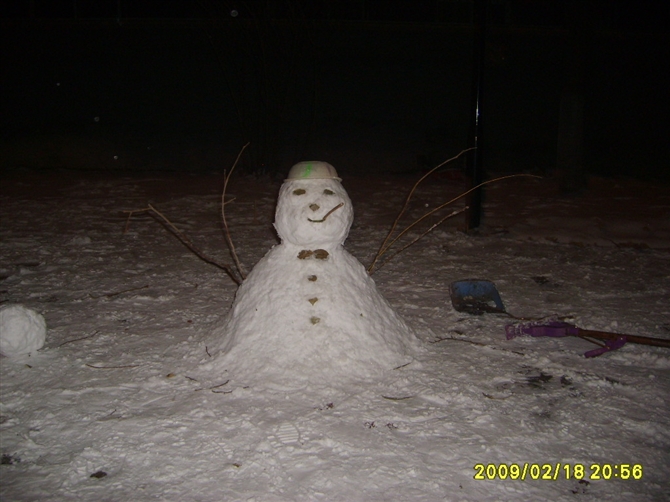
[(476, 297)]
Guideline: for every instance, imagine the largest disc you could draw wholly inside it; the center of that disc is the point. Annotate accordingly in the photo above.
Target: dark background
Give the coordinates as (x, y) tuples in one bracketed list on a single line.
[(370, 86)]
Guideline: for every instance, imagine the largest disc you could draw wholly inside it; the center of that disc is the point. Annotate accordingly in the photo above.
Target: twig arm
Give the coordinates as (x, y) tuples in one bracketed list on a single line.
[(226, 230), (442, 220), (386, 245), (184, 240), (383, 248)]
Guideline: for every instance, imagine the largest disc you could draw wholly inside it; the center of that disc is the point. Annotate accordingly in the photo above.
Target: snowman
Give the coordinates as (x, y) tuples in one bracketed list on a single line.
[(309, 310)]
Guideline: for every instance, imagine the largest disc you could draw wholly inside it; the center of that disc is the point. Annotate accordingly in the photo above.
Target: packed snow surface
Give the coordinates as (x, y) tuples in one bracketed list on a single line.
[(119, 405), (22, 330)]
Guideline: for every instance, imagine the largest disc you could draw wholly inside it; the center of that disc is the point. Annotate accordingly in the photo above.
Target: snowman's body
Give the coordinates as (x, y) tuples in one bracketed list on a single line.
[(309, 308)]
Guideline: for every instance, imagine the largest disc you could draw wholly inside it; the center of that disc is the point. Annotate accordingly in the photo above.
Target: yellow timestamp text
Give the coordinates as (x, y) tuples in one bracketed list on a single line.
[(558, 470)]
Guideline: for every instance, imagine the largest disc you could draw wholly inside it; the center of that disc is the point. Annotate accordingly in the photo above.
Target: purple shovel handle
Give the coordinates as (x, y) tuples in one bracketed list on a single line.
[(557, 329), (612, 341), (554, 329)]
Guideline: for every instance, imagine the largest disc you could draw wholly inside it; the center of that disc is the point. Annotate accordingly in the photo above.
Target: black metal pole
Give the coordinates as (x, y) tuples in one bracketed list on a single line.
[(474, 163)]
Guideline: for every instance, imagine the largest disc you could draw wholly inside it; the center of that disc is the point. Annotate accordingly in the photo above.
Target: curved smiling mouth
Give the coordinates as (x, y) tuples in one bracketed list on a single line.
[(327, 214)]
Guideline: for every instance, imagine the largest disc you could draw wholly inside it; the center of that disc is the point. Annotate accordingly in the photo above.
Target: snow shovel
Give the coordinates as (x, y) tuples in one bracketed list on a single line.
[(480, 296), (612, 341), (476, 297)]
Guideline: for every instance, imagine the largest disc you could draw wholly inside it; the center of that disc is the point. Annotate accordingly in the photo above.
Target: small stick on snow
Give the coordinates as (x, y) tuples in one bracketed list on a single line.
[(78, 339), (116, 293), (477, 343), (112, 367), (212, 388), (130, 215), (229, 240), (458, 340), (493, 397)]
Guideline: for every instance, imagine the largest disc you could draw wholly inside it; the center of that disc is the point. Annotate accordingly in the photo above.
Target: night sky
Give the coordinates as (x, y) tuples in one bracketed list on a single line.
[(370, 86)]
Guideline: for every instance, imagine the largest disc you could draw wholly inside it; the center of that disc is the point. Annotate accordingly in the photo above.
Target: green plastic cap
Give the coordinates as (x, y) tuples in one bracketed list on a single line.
[(313, 170)]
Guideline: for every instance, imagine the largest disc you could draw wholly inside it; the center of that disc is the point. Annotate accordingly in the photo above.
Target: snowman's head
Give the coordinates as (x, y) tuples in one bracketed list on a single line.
[(314, 210)]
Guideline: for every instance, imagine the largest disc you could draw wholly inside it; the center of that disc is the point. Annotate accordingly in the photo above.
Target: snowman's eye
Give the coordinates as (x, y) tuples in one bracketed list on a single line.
[(299, 191), (328, 192)]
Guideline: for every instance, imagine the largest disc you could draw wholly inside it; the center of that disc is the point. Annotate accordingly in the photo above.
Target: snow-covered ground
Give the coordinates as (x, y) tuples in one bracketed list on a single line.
[(115, 407)]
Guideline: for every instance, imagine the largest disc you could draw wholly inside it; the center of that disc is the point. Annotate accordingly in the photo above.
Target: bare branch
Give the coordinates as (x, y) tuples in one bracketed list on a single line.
[(212, 388), (384, 247), (78, 339), (116, 293), (451, 215), (229, 240), (112, 367), (186, 241)]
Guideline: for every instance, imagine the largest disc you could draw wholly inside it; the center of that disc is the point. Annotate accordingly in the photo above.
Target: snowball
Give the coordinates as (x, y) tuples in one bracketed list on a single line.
[(21, 330)]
